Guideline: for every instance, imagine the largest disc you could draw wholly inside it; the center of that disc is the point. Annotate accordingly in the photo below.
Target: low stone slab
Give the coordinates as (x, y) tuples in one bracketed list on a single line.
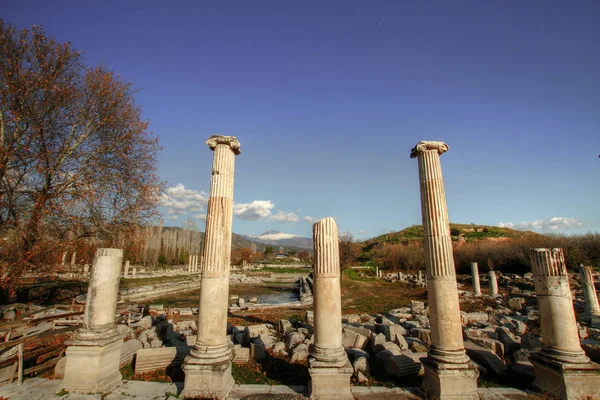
[(152, 359), (486, 357)]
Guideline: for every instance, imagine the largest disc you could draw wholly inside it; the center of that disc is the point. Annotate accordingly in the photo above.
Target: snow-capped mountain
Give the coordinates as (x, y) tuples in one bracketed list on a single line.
[(277, 238)]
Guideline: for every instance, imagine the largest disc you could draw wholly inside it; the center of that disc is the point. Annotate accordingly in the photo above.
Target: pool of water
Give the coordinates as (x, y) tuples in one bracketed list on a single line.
[(281, 296)]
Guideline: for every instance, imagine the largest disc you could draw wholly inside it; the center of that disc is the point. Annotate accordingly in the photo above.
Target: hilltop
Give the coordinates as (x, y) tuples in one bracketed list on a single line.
[(458, 232)]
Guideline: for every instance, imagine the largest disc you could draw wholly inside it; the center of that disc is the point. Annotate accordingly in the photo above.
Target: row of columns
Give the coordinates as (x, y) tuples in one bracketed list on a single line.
[(193, 264), (94, 352)]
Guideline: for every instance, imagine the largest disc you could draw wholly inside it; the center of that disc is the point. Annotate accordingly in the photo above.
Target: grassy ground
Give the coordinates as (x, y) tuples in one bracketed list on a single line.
[(364, 294)]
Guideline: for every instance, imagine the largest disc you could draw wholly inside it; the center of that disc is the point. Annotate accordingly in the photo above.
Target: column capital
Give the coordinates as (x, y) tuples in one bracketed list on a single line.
[(425, 145), (230, 141)]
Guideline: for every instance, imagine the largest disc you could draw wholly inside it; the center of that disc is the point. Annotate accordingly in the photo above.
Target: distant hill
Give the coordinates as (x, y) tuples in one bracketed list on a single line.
[(458, 232)]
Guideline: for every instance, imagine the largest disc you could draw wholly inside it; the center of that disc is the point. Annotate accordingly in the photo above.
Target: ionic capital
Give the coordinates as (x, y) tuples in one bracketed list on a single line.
[(425, 145), (230, 141)]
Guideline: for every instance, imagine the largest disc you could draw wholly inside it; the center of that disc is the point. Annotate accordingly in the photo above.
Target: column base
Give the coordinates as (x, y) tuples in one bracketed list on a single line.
[(330, 383), (568, 381), (208, 372), (450, 381), (92, 369)]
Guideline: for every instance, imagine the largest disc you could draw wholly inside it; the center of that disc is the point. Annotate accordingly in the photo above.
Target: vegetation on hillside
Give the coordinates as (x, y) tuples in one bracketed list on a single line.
[(492, 247)]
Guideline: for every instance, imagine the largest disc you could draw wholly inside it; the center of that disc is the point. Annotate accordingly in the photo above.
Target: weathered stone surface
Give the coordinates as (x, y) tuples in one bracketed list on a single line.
[(486, 357), (147, 360), (404, 364), (516, 303), (293, 339), (242, 354), (330, 369), (208, 367), (446, 331)]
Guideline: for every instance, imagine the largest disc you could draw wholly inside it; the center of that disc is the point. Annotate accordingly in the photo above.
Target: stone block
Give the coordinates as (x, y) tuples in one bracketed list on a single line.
[(207, 381), (404, 364), (330, 383), (486, 357), (147, 360), (452, 383), (257, 351), (91, 369), (242, 354), (580, 381)]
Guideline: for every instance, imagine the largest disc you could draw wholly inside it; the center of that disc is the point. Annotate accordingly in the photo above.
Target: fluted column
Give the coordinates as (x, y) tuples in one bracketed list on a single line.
[(189, 268), (475, 277), (493, 283), (447, 348), (330, 369), (126, 268), (560, 366), (592, 308), (93, 354), (208, 367), (560, 339)]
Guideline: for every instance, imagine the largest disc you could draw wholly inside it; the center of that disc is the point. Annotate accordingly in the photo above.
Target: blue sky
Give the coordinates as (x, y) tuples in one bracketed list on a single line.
[(327, 99)]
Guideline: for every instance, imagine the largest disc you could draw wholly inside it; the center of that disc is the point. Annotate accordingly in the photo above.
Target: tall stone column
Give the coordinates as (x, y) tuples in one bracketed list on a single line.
[(208, 367), (196, 263), (475, 277), (449, 373), (190, 264), (560, 366), (94, 353), (73, 258), (592, 308), (126, 268), (493, 283), (329, 367)]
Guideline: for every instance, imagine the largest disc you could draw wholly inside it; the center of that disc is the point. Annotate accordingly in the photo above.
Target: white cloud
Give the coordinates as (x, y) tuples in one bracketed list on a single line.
[(554, 224), (283, 216), (310, 220), (173, 217), (361, 233), (178, 201), (199, 216), (258, 209)]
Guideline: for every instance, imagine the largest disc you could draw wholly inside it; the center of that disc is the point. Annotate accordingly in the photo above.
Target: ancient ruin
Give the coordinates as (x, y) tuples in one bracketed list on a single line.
[(94, 352), (330, 369), (493, 282), (561, 365), (208, 367), (449, 373), (475, 278), (592, 308)]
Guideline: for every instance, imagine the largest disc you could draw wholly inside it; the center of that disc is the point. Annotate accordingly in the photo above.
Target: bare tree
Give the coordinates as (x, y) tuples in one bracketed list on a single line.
[(349, 249), (76, 157)]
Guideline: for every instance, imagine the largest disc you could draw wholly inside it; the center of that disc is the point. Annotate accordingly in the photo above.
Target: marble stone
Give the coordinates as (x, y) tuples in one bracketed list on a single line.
[(329, 367), (561, 365), (449, 373), (208, 367)]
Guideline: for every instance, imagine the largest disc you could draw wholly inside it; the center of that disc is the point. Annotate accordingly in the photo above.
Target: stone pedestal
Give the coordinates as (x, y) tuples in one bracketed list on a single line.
[(94, 353), (592, 308), (329, 368), (208, 367), (447, 362), (92, 368), (561, 365), (475, 277), (493, 283)]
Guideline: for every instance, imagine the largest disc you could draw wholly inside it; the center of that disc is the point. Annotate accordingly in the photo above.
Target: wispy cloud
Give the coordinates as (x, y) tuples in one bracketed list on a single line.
[(283, 216), (554, 224), (310, 219), (178, 201)]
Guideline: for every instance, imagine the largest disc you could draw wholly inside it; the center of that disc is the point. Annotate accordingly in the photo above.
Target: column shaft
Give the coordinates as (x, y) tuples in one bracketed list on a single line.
[(592, 308), (560, 339), (446, 330), (493, 283), (475, 277)]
